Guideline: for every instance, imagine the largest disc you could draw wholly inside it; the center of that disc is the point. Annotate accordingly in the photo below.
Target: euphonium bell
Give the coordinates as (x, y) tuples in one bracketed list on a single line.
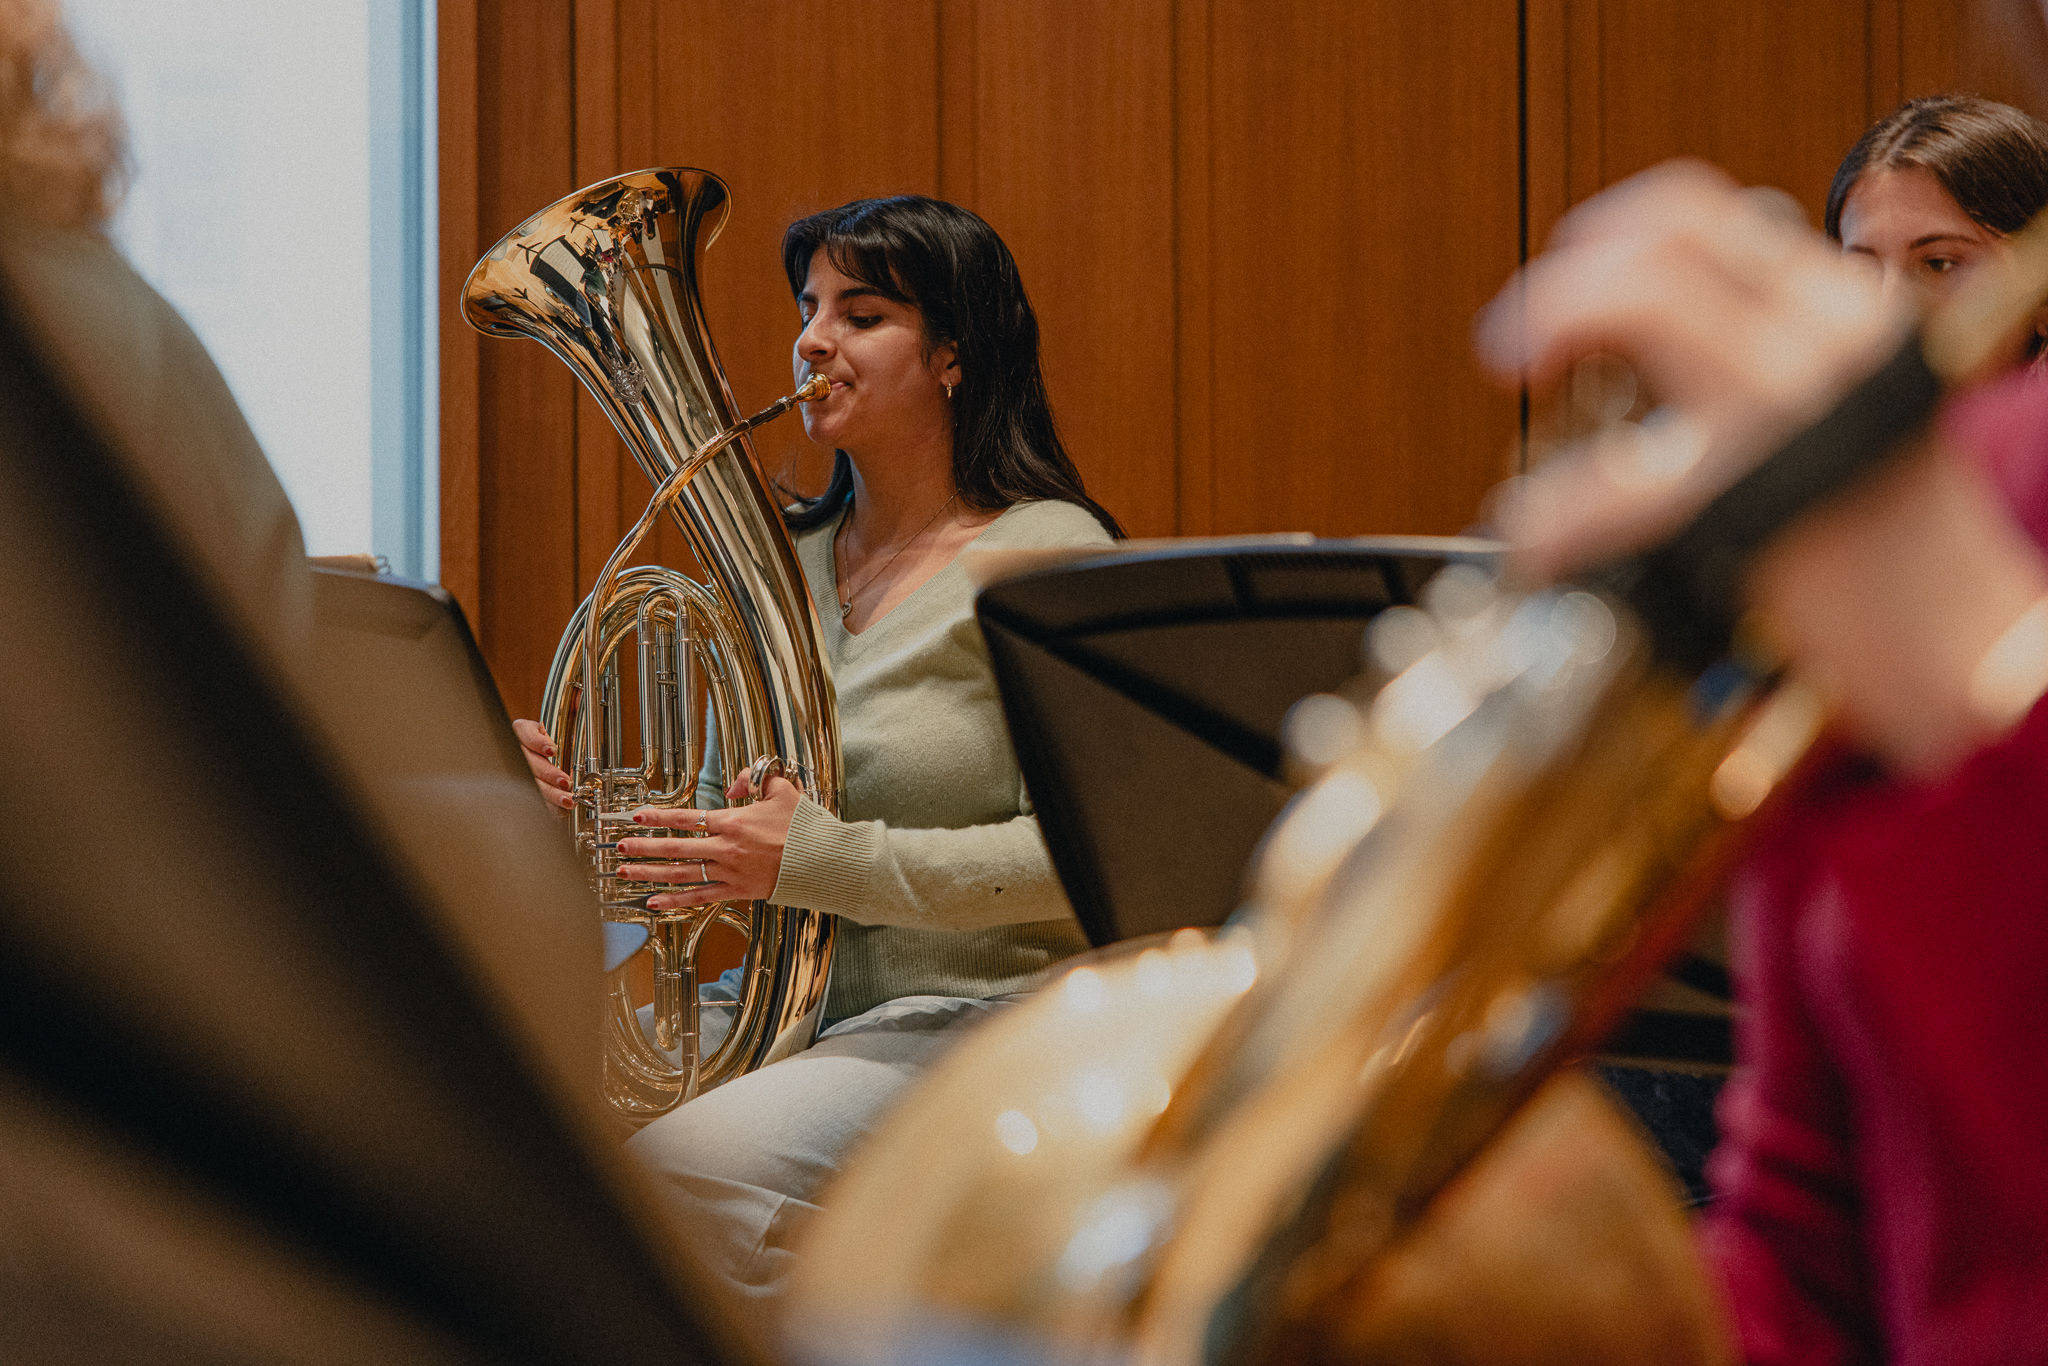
[(607, 280)]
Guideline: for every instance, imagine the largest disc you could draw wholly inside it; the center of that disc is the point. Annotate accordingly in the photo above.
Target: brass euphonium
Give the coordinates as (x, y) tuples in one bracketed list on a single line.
[(607, 280)]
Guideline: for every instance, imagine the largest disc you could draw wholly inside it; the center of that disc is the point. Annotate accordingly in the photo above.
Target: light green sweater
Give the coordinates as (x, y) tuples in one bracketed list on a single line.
[(937, 869)]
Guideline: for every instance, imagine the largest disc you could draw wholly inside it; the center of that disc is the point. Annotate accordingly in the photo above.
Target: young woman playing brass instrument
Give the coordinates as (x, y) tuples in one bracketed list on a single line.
[(1883, 1175), (944, 437)]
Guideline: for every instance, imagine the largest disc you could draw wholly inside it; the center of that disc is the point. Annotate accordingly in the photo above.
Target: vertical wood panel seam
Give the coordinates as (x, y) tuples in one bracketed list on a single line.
[(1522, 203), (1209, 261), (1176, 246), (575, 409), (1522, 131), (939, 96)]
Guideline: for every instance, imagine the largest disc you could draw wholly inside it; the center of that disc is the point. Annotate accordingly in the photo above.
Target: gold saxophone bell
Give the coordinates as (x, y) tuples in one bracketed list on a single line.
[(607, 280)]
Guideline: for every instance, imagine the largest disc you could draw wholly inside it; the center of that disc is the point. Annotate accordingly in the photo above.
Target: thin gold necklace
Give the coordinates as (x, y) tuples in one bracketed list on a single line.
[(839, 548)]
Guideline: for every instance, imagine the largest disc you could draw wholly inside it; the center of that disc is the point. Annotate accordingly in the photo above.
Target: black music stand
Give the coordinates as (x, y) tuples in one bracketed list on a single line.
[(262, 1092), (1145, 690), (401, 676)]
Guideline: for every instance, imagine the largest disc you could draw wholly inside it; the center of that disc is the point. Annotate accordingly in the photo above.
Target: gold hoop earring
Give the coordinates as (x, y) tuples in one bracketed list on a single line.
[(949, 393)]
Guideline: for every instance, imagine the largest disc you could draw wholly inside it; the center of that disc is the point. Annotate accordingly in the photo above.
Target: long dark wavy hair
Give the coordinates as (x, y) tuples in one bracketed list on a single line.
[(952, 268)]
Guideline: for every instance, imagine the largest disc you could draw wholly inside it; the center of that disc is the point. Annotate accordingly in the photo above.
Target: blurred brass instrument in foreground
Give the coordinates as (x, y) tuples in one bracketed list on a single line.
[(1270, 1143), (1340, 1129), (607, 280)]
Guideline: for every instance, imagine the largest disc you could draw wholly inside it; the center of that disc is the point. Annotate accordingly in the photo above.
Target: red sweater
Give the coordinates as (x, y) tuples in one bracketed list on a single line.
[(1883, 1172)]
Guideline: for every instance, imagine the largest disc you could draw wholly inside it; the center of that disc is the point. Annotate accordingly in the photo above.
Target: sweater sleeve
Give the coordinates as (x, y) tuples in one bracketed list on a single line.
[(1784, 1233), (972, 878)]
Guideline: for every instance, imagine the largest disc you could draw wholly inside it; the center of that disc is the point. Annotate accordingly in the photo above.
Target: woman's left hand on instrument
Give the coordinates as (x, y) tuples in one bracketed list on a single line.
[(539, 752), (738, 851)]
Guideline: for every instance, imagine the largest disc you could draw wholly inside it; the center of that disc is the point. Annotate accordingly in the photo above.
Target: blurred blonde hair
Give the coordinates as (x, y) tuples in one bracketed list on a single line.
[(63, 146)]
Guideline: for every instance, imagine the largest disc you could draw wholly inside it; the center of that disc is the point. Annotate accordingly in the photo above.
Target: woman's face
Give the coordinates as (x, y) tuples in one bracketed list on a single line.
[(1907, 226), (885, 391)]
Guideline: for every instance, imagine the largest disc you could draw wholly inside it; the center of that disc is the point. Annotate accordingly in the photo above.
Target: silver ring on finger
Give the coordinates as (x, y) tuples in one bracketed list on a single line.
[(703, 873)]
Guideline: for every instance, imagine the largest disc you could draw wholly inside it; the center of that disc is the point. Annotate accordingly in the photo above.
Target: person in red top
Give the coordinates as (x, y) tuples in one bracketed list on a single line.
[(1883, 1179)]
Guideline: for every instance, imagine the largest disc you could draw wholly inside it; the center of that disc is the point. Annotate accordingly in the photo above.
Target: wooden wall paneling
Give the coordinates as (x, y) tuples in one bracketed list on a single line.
[(1194, 380), (613, 94), (636, 61), (1774, 93), (606, 478), (1547, 106), (1074, 167), (1961, 47), (1886, 78), (1564, 111), (799, 107), (1586, 104), (1552, 56), (637, 146), (1256, 234), (461, 356), (527, 398), (1365, 203), (959, 74)]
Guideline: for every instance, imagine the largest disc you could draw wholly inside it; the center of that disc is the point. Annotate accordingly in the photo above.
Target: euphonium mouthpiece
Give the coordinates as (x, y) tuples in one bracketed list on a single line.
[(810, 391)]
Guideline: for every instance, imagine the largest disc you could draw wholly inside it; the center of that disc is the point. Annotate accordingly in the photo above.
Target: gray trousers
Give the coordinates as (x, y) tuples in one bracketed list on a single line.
[(744, 1165)]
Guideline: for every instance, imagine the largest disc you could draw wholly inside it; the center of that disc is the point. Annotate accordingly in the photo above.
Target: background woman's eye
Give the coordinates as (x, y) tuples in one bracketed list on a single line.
[(864, 319), (1941, 265)]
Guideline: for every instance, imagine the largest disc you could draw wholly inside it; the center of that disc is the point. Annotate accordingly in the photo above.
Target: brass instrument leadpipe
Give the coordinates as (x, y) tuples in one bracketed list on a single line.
[(810, 391)]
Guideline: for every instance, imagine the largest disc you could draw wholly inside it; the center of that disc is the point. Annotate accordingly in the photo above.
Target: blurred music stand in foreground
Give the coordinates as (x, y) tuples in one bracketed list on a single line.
[(271, 1086)]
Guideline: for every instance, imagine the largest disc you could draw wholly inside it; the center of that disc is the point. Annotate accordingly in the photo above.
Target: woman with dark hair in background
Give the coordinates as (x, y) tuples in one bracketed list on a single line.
[(943, 437), (1882, 1179), (1935, 190)]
